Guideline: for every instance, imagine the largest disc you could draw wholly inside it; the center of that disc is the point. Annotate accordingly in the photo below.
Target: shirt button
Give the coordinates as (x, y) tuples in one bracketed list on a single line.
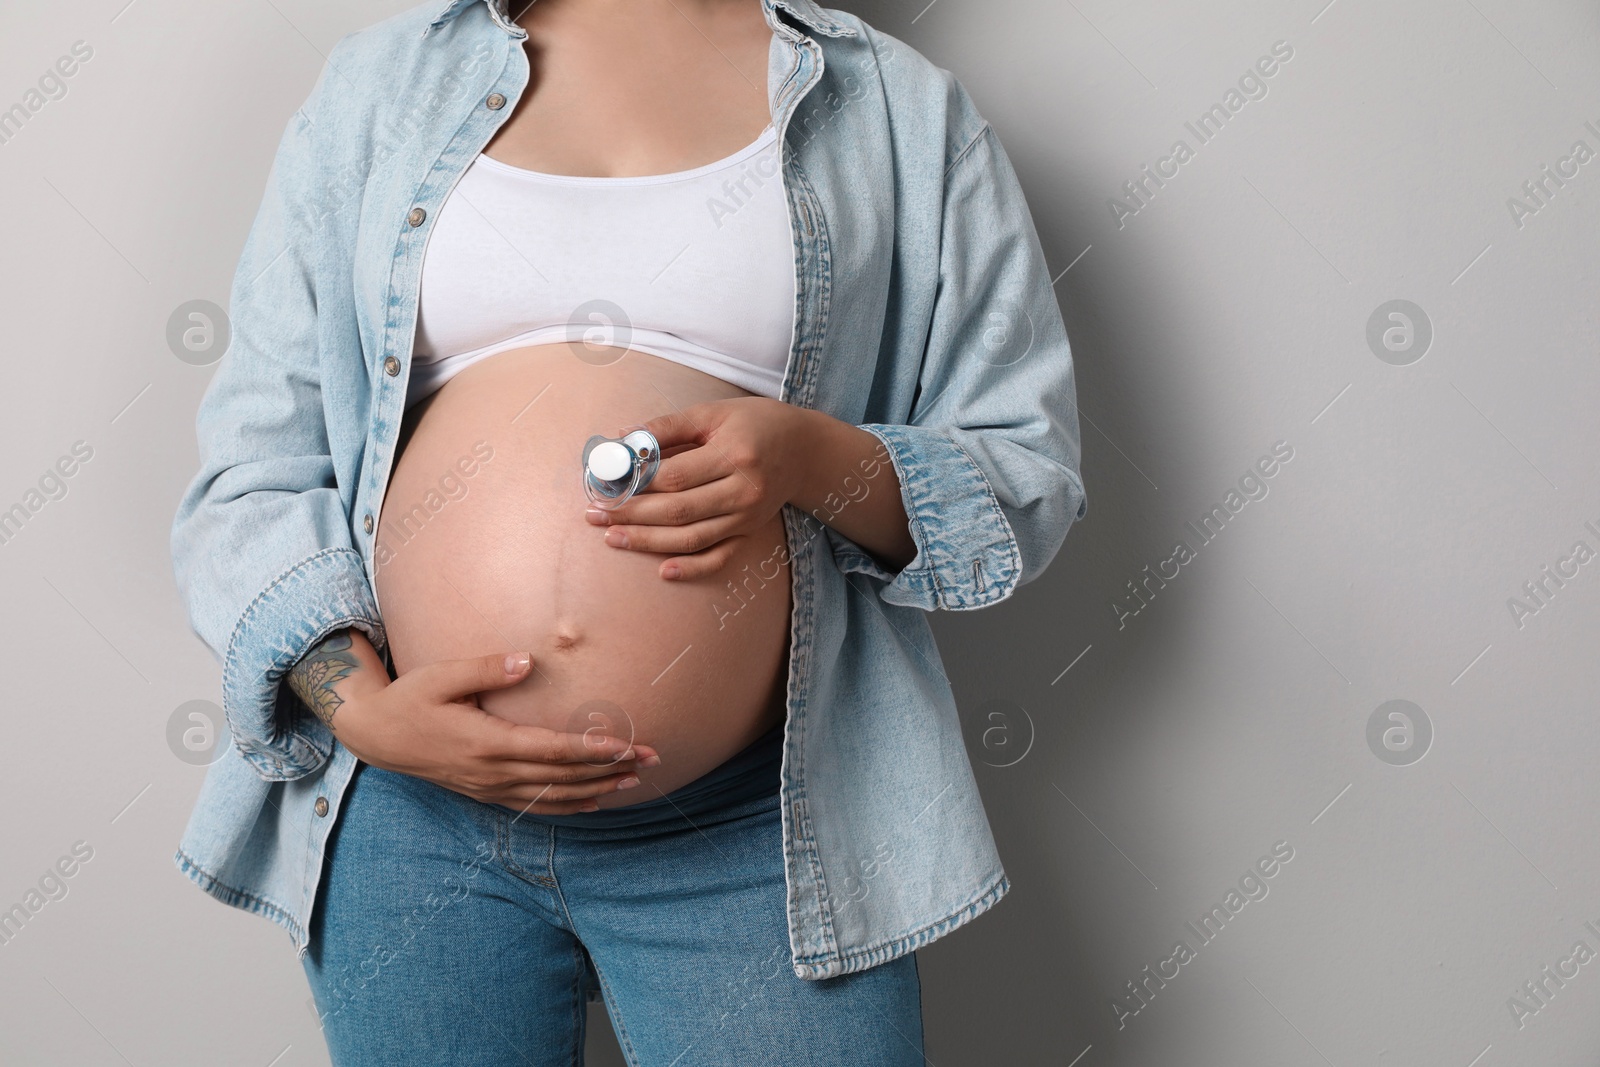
[(417, 216), (391, 366), (321, 807), (366, 524), (495, 102)]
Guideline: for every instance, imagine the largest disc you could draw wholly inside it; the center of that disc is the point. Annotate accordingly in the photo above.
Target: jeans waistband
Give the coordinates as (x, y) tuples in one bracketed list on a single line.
[(755, 771)]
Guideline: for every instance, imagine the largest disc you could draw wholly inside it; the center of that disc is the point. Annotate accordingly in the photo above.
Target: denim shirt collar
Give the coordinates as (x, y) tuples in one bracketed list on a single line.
[(807, 11)]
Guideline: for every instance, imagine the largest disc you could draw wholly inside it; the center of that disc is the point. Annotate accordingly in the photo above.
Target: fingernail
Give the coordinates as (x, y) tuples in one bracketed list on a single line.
[(591, 806), (596, 516), (628, 782), (626, 755), (650, 761), (671, 570), (617, 538), (516, 663)]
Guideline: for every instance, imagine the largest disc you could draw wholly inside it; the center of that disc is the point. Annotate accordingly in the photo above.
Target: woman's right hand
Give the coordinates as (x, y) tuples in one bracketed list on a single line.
[(425, 724)]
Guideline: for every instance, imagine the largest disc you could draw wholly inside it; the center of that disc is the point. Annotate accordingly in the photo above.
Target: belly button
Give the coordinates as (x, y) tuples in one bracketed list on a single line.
[(565, 641)]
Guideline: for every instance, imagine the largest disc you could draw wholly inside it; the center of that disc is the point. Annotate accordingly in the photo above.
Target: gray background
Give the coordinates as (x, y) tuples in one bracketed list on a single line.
[(1130, 792)]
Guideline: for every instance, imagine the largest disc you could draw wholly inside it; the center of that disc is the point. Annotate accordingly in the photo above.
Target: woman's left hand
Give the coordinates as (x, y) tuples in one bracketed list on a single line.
[(729, 466)]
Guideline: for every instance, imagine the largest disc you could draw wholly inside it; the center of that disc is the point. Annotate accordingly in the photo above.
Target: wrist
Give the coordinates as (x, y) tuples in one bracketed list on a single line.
[(342, 669), (362, 685), (807, 447)]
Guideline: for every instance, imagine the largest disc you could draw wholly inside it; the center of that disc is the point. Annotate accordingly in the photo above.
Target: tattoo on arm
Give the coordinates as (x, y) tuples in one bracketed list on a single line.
[(314, 677)]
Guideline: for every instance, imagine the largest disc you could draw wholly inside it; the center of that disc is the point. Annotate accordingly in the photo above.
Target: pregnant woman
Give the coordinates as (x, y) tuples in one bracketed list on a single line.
[(497, 751)]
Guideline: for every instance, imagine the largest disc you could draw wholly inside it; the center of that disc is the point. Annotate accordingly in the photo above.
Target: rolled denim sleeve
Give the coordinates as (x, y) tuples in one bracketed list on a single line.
[(988, 460), (262, 546)]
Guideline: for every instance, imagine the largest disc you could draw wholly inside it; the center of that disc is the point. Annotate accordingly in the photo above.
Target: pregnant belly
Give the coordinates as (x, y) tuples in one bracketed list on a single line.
[(483, 547)]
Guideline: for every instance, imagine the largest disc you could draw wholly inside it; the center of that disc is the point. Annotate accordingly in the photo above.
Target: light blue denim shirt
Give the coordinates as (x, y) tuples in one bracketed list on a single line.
[(924, 314)]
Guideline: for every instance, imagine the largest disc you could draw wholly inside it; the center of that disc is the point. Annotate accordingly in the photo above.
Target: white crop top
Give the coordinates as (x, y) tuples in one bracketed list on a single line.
[(695, 266)]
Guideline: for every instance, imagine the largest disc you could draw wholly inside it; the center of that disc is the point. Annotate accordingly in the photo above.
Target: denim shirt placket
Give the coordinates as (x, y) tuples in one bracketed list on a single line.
[(399, 330), (802, 859)]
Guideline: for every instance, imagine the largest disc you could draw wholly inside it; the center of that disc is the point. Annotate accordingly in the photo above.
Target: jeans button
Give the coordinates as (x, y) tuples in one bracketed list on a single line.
[(366, 524), (417, 216), (495, 102), (391, 366), (321, 807)]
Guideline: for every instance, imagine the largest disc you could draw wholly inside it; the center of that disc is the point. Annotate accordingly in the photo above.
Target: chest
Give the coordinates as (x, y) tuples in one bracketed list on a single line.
[(659, 92)]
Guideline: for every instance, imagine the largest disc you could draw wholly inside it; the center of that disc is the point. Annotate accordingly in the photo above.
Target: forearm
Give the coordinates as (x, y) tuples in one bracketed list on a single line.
[(847, 482), (342, 666)]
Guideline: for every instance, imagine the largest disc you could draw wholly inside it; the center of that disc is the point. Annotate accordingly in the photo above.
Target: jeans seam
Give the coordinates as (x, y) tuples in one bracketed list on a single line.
[(512, 867), (614, 1011), (502, 841), (612, 1008), (579, 1008)]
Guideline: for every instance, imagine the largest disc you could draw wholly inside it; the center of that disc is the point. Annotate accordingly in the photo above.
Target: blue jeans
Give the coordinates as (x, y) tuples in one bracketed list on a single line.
[(458, 933)]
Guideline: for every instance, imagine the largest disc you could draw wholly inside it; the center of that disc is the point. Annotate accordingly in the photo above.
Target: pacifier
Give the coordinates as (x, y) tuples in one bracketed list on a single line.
[(614, 469)]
